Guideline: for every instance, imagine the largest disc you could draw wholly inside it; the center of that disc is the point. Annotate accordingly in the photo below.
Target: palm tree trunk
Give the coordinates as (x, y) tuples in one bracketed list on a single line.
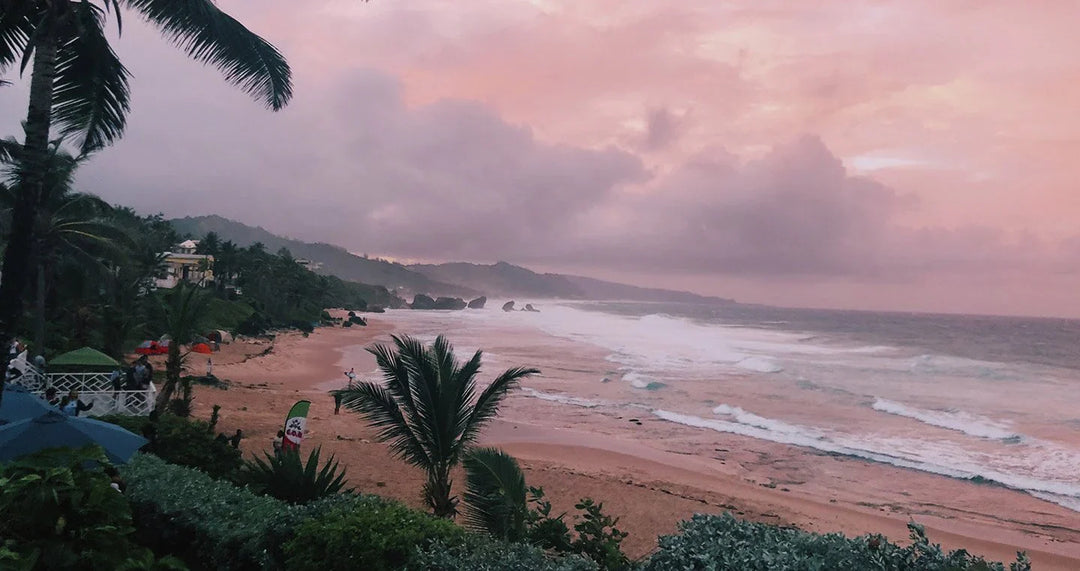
[(172, 376), (39, 311), (437, 492), (17, 263)]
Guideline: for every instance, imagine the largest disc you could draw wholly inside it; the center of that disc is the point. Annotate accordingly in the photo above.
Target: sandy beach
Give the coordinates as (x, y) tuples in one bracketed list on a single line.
[(650, 473)]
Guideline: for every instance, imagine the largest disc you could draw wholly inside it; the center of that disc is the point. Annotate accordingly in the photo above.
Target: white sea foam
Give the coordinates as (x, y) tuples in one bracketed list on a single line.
[(562, 399), (960, 421), (760, 365), (1044, 470)]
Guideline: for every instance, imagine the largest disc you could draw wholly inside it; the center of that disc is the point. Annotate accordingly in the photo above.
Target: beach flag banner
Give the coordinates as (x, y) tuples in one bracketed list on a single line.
[(295, 424)]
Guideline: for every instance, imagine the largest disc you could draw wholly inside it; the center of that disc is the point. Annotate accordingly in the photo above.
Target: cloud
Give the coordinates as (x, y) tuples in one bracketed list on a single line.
[(516, 131), (662, 128)]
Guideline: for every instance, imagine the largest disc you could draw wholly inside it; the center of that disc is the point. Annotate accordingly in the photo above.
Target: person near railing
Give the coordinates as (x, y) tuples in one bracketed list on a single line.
[(72, 406)]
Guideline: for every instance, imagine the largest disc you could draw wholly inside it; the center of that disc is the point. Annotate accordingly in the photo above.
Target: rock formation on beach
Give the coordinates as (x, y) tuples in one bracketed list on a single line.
[(421, 301), (450, 303), (508, 306), (529, 307), (478, 303)]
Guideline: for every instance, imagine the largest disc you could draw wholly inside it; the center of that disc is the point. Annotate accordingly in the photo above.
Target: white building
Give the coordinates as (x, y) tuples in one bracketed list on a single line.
[(185, 265)]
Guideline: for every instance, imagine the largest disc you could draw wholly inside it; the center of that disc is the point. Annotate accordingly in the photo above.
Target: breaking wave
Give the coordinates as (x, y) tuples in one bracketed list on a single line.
[(940, 458), (960, 421)]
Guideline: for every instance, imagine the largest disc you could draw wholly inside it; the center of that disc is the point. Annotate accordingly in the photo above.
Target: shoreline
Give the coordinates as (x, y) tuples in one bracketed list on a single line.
[(649, 488)]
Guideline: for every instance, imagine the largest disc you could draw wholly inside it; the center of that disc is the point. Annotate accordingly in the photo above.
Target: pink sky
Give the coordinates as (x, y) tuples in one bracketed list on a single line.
[(911, 155)]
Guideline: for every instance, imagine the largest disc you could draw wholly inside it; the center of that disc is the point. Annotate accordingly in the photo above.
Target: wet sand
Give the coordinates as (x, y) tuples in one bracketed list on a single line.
[(650, 473)]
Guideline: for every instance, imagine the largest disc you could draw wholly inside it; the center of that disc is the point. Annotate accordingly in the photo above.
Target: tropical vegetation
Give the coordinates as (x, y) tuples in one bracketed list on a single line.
[(79, 86), (429, 409), (61, 513), (287, 477), (723, 543)]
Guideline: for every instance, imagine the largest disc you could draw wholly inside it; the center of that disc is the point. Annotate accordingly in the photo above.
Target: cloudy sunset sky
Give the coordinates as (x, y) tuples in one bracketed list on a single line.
[(909, 155)]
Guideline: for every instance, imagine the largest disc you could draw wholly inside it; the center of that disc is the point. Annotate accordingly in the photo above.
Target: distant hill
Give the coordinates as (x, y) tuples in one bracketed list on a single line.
[(507, 280), (451, 279), (335, 260)]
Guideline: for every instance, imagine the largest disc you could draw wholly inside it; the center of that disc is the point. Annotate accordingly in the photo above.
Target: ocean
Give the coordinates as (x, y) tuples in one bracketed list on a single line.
[(995, 400)]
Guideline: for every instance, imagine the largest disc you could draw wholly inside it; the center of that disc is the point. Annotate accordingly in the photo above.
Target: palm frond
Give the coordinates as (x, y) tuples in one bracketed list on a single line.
[(16, 25), (395, 375), (424, 384), (487, 405), (211, 36), (91, 96), (377, 405), (11, 150), (463, 406), (495, 493)]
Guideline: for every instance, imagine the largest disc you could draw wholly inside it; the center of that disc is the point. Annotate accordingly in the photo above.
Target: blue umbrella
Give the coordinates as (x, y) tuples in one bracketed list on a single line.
[(19, 404), (54, 429)]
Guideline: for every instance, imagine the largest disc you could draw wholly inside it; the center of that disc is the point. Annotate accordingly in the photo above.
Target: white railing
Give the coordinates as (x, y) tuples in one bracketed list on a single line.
[(95, 388), (82, 382), (133, 403)]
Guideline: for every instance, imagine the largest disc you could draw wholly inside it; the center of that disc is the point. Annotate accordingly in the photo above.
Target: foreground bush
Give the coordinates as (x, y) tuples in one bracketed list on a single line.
[(209, 523), (366, 533), (287, 478), (59, 512), (482, 554), (183, 441), (213, 524), (723, 543)]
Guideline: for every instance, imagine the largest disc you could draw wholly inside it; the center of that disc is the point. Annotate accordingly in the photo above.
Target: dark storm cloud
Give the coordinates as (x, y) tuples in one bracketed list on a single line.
[(794, 211)]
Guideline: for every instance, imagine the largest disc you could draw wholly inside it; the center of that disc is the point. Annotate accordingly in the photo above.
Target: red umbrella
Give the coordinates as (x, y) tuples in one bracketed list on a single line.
[(202, 348), (147, 348)]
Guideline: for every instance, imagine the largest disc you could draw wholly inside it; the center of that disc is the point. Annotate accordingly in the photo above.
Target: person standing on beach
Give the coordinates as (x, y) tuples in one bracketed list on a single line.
[(279, 441), (351, 374)]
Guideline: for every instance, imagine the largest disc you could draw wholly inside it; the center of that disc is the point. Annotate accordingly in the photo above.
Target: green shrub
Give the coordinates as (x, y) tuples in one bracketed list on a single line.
[(366, 533), (209, 523), (287, 478), (255, 324), (185, 442), (59, 512), (597, 537), (482, 554), (720, 543)]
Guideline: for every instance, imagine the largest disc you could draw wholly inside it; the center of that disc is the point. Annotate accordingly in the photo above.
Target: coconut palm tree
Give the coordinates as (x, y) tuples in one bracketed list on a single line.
[(69, 224), (79, 85), (183, 310), (429, 409)]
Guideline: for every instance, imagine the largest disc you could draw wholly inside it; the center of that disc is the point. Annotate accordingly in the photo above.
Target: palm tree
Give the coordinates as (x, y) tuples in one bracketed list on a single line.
[(79, 84), (428, 408), (68, 224), (183, 310), (496, 497)]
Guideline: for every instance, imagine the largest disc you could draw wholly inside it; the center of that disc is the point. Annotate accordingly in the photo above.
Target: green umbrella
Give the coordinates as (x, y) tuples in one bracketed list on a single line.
[(85, 359)]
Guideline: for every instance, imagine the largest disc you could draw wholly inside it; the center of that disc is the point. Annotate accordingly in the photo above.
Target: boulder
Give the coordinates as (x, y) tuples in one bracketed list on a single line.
[(450, 303), (529, 307), (421, 301), (478, 303), (508, 306)]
